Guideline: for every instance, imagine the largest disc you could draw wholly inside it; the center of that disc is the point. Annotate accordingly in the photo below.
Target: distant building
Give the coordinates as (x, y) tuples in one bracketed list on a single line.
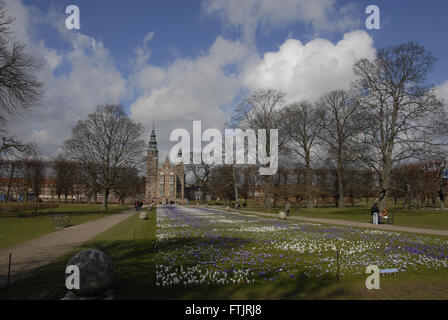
[(165, 183)]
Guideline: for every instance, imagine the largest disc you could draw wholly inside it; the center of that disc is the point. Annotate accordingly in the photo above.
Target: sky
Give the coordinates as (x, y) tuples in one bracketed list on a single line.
[(179, 61)]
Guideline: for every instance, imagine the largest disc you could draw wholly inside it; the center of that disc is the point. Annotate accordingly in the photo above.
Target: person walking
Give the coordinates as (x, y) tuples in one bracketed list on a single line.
[(375, 212)]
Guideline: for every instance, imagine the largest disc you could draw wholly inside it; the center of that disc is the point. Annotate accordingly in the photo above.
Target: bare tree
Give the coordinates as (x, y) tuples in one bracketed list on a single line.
[(403, 117), (127, 184), (64, 171), (339, 129), (222, 182), (88, 179), (12, 167), (199, 174), (19, 87), (304, 122), (263, 110), (108, 139), (37, 176)]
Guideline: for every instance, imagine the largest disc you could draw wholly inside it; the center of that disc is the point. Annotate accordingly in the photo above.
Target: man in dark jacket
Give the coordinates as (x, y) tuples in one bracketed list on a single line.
[(375, 212)]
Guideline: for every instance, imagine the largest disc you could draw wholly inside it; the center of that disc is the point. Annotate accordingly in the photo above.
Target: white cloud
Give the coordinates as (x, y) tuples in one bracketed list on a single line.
[(190, 89), (143, 53), (195, 89), (89, 79), (199, 88), (148, 37), (306, 71), (249, 15)]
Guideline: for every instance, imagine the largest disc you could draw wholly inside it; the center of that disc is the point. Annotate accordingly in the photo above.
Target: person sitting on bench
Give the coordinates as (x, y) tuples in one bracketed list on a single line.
[(384, 215)]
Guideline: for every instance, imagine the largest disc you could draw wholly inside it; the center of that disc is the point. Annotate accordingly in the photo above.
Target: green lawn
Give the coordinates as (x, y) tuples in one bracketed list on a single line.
[(136, 276), (133, 260), (15, 229), (423, 218)]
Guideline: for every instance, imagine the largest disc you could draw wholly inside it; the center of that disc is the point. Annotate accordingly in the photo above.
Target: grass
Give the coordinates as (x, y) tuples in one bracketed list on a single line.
[(133, 260), (15, 229), (136, 276), (422, 218)]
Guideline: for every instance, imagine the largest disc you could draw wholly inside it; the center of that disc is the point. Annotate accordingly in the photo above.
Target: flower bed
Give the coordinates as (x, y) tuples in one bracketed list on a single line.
[(205, 247)]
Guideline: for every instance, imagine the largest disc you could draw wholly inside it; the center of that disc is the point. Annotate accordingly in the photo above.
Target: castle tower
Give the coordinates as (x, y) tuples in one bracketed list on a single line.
[(152, 163)]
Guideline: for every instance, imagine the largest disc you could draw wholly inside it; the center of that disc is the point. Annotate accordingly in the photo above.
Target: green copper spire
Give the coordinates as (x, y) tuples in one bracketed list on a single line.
[(153, 141)]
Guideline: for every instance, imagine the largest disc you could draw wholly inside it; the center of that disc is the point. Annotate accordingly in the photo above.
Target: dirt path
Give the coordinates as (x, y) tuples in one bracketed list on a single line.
[(387, 227), (34, 253)]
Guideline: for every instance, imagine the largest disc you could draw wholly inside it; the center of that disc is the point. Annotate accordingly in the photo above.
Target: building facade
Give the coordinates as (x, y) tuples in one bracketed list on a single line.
[(165, 183)]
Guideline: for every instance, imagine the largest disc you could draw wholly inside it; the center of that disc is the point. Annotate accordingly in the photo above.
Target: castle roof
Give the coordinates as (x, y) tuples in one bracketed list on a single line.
[(152, 146)]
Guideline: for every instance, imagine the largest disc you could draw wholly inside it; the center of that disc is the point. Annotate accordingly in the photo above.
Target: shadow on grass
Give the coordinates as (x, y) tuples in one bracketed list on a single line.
[(135, 266), (131, 260), (282, 289)]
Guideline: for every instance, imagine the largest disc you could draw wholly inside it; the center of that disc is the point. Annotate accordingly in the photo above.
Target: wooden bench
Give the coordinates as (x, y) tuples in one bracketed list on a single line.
[(390, 219), (60, 220)]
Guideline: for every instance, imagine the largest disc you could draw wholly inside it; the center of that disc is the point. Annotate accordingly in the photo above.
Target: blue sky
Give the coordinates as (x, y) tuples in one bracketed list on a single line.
[(182, 30), (201, 57)]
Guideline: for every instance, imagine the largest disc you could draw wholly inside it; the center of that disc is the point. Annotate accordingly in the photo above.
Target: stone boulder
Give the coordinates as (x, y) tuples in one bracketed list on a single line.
[(143, 215), (282, 215), (96, 272)]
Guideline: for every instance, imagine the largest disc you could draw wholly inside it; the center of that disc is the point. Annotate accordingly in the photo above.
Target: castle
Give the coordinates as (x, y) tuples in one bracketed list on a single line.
[(165, 183)]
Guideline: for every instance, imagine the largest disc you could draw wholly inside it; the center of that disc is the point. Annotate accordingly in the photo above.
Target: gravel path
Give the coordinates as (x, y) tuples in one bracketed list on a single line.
[(34, 253)]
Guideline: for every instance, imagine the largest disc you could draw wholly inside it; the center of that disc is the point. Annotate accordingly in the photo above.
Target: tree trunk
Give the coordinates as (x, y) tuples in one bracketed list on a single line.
[(26, 183), (384, 191), (105, 198), (309, 199), (267, 194), (237, 198), (11, 176), (339, 173)]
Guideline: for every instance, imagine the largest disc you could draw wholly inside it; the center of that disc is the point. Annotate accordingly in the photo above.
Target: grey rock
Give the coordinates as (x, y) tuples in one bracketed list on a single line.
[(96, 272), (109, 292), (70, 296), (143, 215)]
